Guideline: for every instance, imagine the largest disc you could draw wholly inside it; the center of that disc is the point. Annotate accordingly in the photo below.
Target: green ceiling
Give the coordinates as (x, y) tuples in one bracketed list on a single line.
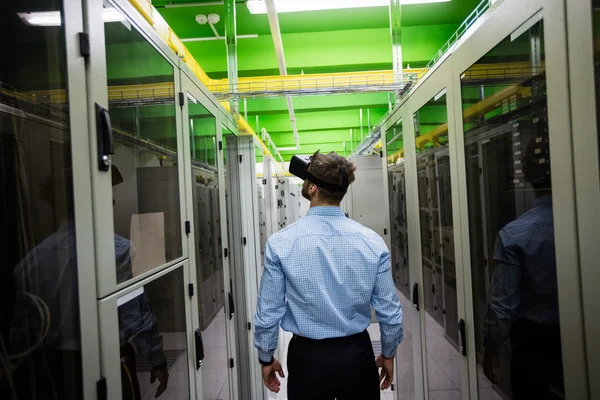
[(318, 42)]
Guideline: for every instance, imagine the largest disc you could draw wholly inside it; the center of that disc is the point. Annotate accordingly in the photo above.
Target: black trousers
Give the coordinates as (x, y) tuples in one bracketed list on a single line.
[(536, 366), (340, 368)]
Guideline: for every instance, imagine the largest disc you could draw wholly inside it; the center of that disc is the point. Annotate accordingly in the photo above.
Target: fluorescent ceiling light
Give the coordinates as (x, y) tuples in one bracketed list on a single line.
[(52, 18), (259, 6)]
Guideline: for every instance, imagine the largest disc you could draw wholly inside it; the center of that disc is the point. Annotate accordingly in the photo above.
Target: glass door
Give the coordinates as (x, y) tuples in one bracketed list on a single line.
[(46, 203), (443, 359), (208, 239), (146, 324), (145, 331), (140, 120), (511, 224)]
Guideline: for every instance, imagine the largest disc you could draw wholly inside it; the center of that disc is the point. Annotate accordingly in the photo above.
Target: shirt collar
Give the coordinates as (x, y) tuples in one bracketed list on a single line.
[(543, 201), (326, 211)]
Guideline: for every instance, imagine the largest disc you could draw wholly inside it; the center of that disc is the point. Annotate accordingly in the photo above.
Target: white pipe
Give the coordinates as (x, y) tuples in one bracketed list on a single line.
[(278, 44), (206, 39), (210, 3), (215, 31), (267, 139)]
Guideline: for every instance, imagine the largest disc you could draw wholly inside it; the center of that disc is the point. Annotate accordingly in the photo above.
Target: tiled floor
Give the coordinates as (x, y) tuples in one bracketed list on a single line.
[(215, 383), (444, 364), (178, 387)]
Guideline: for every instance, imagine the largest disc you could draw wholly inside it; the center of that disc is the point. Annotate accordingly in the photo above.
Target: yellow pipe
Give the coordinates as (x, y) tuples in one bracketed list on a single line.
[(166, 33), (285, 173), (482, 107)]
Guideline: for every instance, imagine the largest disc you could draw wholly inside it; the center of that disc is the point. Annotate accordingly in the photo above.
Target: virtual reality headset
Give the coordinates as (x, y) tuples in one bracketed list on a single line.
[(299, 167)]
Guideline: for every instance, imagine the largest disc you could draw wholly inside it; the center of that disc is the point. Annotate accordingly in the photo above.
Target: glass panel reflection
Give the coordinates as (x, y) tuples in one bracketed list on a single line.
[(444, 362), (209, 250), (40, 343), (145, 175), (152, 331), (513, 261)]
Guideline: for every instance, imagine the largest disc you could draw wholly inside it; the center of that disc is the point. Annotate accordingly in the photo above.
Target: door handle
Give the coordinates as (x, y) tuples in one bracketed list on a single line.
[(104, 136), (199, 349), (463, 337), (415, 296), (231, 306)]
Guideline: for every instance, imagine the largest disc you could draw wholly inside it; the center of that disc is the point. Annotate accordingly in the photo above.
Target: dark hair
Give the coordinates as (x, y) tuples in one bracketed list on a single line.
[(328, 167), (536, 163)]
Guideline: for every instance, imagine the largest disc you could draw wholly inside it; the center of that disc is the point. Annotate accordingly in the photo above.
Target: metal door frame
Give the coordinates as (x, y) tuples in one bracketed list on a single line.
[(109, 330), (244, 240), (580, 41), (226, 121), (101, 181), (504, 19), (433, 83), (81, 138), (194, 88)]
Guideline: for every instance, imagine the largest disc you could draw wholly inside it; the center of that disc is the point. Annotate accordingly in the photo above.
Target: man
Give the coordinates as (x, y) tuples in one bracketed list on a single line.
[(49, 273), (321, 277), (523, 296)]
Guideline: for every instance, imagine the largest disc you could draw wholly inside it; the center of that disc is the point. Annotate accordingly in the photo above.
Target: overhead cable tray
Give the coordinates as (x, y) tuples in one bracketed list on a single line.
[(310, 86)]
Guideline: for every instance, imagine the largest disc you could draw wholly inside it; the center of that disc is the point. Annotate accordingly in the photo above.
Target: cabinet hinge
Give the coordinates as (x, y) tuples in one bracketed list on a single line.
[(385, 232), (188, 227), (264, 181), (102, 389), (84, 44), (231, 363), (244, 241), (225, 252), (191, 290), (249, 326), (220, 145), (241, 158), (181, 99)]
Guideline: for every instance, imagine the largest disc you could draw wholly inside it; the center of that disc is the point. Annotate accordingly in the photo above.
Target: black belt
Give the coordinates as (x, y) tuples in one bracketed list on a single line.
[(338, 340)]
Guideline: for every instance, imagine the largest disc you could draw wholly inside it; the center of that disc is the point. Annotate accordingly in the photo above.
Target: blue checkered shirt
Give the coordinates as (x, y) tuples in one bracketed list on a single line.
[(50, 272), (321, 277), (524, 282)]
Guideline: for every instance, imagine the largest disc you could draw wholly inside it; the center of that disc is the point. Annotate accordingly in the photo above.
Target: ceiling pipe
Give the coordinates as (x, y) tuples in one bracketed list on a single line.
[(278, 44), (396, 35), (267, 139), (209, 3), (206, 39), (231, 47)]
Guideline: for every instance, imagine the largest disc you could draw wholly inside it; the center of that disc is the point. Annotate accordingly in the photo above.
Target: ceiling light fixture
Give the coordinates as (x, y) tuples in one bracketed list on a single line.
[(53, 18), (259, 6)]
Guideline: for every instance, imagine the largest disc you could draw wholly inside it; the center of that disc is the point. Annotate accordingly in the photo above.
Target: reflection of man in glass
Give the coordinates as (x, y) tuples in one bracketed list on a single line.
[(523, 297), (49, 272)]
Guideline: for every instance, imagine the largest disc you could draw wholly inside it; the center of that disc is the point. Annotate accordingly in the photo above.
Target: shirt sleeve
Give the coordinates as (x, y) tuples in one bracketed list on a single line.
[(137, 322), (503, 297), (270, 307), (387, 307)]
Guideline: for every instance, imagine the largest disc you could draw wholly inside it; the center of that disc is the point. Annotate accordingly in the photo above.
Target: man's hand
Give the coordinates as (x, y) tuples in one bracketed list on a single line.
[(163, 377), (387, 371), (490, 364), (270, 378)]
